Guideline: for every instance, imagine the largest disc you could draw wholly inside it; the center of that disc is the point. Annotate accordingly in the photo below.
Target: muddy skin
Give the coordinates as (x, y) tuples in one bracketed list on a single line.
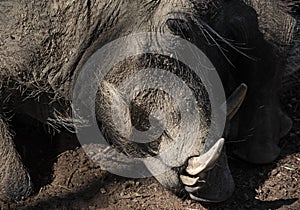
[(43, 46)]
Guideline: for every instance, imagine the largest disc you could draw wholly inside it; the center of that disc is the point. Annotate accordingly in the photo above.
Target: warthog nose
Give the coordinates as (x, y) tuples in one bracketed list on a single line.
[(178, 26)]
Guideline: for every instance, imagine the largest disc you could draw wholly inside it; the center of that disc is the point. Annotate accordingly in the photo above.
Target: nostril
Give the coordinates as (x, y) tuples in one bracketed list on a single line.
[(178, 26)]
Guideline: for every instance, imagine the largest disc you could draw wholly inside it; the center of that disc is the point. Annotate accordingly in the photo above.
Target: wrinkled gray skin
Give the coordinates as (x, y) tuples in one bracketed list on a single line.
[(43, 45)]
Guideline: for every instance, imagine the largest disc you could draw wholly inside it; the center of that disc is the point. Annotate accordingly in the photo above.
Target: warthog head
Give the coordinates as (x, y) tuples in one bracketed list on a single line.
[(151, 103)]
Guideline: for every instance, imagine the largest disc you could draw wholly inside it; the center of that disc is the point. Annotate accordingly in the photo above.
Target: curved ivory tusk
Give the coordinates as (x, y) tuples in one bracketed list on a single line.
[(235, 101), (189, 181), (192, 189), (206, 161)]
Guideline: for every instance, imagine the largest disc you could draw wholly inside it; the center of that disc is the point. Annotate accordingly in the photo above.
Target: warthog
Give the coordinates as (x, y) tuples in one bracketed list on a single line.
[(45, 44)]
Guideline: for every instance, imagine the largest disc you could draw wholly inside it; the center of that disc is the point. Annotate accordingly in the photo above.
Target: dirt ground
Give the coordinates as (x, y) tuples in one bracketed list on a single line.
[(75, 183), (65, 178)]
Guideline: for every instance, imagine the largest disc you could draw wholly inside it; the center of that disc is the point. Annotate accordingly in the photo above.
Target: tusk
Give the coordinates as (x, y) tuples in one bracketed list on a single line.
[(235, 101), (189, 181), (206, 161), (192, 189)]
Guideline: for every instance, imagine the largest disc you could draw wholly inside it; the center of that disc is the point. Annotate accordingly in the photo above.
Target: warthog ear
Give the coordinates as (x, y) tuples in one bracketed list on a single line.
[(277, 26)]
